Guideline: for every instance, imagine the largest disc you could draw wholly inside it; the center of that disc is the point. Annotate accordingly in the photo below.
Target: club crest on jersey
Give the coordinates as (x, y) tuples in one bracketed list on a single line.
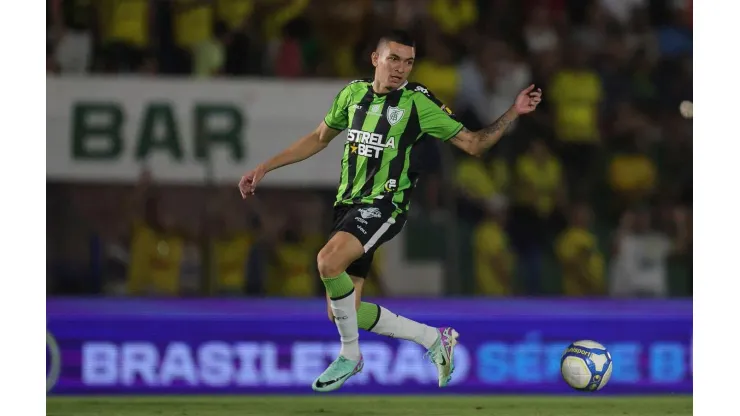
[(394, 115), (370, 213)]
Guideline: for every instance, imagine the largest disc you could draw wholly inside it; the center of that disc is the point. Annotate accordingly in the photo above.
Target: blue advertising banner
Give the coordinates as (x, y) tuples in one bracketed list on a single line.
[(259, 346)]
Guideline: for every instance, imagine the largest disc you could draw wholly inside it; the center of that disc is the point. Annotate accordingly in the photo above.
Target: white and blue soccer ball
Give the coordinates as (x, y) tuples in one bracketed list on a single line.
[(586, 365)]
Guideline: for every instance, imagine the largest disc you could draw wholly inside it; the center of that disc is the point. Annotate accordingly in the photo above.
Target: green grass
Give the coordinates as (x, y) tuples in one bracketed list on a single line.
[(328, 405)]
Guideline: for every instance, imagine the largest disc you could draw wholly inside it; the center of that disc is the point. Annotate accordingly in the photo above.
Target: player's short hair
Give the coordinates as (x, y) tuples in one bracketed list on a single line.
[(399, 36)]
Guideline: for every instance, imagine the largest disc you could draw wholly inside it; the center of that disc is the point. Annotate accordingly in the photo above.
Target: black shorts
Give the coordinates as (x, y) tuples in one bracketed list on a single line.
[(373, 225)]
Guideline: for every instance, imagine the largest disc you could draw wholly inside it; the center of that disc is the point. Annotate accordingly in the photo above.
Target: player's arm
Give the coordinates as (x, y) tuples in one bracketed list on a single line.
[(304, 148), (476, 143), (335, 121), (438, 121)]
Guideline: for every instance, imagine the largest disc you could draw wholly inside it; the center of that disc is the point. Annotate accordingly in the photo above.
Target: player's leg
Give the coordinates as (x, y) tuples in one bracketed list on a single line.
[(375, 318), (358, 283), (333, 259), (439, 342)]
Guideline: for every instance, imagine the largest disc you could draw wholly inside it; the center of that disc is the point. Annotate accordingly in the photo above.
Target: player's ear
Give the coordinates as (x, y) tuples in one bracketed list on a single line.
[(374, 58)]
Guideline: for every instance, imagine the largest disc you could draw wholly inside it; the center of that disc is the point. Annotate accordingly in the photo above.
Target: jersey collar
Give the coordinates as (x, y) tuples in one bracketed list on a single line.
[(402, 86)]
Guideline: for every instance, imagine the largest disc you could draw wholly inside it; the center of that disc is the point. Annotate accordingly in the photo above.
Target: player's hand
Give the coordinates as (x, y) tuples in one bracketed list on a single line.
[(527, 100), (249, 181)]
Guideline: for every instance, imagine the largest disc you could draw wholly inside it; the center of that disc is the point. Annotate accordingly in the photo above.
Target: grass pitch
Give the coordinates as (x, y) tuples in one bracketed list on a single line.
[(341, 405)]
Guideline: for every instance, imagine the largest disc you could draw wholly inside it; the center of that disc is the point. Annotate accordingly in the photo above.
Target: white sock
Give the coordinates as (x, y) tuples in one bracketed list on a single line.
[(345, 317), (397, 326)]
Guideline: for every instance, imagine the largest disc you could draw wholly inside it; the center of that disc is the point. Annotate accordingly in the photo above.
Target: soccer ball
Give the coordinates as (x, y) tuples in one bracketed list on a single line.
[(586, 365)]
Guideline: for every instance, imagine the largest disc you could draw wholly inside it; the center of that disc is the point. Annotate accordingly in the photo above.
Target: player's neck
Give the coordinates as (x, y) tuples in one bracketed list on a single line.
[(380, 89)]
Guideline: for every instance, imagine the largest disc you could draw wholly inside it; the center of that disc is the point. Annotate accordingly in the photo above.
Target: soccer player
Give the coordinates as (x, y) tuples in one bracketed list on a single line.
[(386, 118)]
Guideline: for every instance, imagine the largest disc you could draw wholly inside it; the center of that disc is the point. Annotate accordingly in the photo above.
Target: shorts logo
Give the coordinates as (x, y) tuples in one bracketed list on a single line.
[(370, 213), (360, 220), (361, 229), (395, 115)]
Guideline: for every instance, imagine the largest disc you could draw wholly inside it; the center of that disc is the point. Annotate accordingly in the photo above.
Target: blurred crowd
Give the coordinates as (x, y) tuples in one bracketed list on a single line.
[(590, 196)]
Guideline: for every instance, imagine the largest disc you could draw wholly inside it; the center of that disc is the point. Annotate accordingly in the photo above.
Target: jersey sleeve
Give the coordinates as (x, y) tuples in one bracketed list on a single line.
[(337, 117), (435, 118)]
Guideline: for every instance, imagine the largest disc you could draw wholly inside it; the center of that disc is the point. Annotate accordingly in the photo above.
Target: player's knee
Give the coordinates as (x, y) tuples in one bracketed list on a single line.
[(329, 263)]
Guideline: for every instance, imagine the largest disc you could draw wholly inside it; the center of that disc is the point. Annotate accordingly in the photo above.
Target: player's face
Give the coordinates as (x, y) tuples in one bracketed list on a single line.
[(393, 62)]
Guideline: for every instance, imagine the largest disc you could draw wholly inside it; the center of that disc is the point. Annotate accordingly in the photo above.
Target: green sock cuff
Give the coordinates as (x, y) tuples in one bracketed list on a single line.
[(338, 287), (367, 315)]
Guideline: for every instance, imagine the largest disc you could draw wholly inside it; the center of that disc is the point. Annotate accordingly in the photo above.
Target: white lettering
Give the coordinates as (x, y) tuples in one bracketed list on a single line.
[(410, 365), (377, 357), (177, 364), (370, 144), (99, 364), (216, 368), (247, 353), (274, 376), (376, 139), (221, 364), (361, 150), (309, 361), (139, 359)]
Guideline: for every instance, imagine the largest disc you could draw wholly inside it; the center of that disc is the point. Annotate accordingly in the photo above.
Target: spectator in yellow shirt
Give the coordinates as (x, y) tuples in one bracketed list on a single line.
[(481, 183), (581, 260), (453, 16), (539, 180), (232, 244), (125, 33), (538, 191), (156, 252), (632, 174), (292, 269), (234, 13), (577, 93), (438, 70), (193, 23), (494, 260)]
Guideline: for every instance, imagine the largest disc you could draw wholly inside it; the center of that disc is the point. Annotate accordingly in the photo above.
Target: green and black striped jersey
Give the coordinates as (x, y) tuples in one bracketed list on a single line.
[(383, 131)]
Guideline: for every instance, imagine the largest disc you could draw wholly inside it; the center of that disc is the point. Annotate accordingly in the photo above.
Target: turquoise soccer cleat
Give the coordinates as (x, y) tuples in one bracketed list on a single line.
[(336, 374), (442, 354)]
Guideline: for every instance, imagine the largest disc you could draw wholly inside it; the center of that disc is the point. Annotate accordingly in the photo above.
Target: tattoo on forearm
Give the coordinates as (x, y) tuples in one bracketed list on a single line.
[(488, 136)]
